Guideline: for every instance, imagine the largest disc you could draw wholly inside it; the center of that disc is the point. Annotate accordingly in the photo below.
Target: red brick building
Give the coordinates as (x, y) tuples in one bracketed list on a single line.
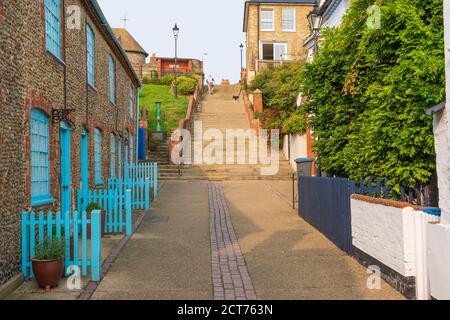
[(160, 66), (67, 110)]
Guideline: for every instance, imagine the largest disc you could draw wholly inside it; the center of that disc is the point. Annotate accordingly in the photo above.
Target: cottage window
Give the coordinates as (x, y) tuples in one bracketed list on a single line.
[(131, 148), (113, 155), (267, 20), (112, 80), (288, 17), (40, 158), (52, 10), (90, 53), (98, 157)]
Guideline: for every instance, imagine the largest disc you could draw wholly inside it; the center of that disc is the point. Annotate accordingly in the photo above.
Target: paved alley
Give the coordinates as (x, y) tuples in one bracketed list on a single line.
[(265, 246)]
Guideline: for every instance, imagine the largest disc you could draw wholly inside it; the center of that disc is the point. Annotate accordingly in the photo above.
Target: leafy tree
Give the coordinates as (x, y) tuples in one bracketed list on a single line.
[(280, 87), (369, 88)]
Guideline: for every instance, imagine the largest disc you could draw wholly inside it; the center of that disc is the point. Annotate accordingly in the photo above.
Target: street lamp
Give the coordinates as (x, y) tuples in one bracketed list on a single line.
[(176, 32), (315, 21), (242, 62)]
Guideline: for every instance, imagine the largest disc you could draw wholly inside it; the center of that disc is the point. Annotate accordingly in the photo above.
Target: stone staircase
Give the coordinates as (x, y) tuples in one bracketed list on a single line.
[(161, 155), (221, 112)]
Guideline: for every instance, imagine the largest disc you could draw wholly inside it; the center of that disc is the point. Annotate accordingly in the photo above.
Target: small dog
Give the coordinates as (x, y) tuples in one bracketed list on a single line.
[(236, 98)]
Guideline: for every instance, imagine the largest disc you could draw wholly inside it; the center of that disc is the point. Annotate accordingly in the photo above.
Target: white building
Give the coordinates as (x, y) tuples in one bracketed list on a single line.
[(331, 13), (438, 235)]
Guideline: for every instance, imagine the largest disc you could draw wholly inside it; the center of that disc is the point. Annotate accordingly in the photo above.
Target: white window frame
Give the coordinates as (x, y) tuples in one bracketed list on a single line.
[(285, 56), (267, 21), (283, 20)]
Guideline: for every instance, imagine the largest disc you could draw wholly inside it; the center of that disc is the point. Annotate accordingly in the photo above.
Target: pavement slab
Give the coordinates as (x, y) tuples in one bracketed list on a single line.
[(286, 257), (169, 255)]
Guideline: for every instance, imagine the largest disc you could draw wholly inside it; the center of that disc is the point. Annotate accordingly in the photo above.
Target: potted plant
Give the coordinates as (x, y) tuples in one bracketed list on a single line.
[(48, 263), (92, 207)]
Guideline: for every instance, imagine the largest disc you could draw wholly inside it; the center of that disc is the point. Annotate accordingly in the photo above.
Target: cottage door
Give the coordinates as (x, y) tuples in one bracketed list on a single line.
[(119, 153), (65, 168), (84, 165)]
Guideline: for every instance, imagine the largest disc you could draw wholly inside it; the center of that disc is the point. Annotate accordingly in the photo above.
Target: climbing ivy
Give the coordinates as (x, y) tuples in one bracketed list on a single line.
[(368, 90)]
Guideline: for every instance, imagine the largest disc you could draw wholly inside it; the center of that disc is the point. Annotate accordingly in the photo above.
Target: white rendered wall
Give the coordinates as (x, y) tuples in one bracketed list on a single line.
[(385, 233), (298, 148), (438, 236)]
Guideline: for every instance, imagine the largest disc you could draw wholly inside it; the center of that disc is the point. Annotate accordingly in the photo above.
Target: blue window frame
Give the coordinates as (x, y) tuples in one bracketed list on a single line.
[(52, 13), (131, 101), (98, 157), (40, 158), (113, 155), (90, 53), (112, 80), (131, 148)]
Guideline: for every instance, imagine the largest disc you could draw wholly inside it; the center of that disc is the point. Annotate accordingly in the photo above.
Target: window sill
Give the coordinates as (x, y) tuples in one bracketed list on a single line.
[(99, 183), (267, 30), (290, 31), (42, 202), (58, 59), (92, 87)]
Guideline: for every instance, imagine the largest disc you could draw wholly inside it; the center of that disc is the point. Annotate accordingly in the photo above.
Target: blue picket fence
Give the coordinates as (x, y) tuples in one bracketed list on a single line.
[(140, 191), (117, 205), (143, 171), (380, 188), (73, 228)]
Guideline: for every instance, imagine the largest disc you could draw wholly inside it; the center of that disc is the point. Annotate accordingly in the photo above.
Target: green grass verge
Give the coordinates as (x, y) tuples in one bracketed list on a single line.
[(173, 110)]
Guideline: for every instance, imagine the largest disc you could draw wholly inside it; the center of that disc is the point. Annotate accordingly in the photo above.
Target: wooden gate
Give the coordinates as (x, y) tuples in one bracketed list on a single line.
[(325, 204)]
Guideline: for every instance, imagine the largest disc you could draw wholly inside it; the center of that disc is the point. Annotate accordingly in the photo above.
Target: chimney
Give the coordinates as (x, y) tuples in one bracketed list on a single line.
[(153, 59)]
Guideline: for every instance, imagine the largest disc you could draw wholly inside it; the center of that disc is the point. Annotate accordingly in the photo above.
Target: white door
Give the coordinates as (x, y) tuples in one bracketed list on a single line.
[(280, 51)]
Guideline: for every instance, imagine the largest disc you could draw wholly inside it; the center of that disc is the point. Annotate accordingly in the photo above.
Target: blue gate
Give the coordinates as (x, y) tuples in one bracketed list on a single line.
[(325, 204)]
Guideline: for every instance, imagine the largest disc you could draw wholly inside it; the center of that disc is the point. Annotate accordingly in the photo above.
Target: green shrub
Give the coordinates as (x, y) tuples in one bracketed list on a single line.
[(168, 79), (156, 81), (145, 80), (50, 249), (186, 85), (295, 124)]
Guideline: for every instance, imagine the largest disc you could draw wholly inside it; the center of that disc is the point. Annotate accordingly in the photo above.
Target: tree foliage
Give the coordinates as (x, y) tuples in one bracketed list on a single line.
[(280, 87), (369, 88)]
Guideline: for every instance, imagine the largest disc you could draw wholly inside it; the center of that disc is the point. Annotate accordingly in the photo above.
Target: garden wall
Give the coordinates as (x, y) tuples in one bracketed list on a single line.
[(391, 235)]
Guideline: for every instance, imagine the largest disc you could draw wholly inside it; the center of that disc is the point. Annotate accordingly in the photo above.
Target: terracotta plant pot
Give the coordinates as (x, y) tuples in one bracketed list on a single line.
[(48, 273), (102, 224)]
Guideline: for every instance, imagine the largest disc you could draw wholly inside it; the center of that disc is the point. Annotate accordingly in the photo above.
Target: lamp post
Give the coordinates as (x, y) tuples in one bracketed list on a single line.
[(315, 21), (176, 32), (242, 59)]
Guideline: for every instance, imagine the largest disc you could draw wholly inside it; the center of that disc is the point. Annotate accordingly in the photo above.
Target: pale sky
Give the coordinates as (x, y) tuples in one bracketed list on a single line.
[(211, 26)]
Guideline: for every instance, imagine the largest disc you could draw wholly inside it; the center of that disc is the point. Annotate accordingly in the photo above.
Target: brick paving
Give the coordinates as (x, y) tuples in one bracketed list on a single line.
[(231, 279)]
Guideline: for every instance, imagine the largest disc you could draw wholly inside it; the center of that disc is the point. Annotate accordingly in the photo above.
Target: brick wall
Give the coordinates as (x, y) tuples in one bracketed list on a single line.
[(32, 78), (138, 62), (1, 11), (294, 39), (12, 191)]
